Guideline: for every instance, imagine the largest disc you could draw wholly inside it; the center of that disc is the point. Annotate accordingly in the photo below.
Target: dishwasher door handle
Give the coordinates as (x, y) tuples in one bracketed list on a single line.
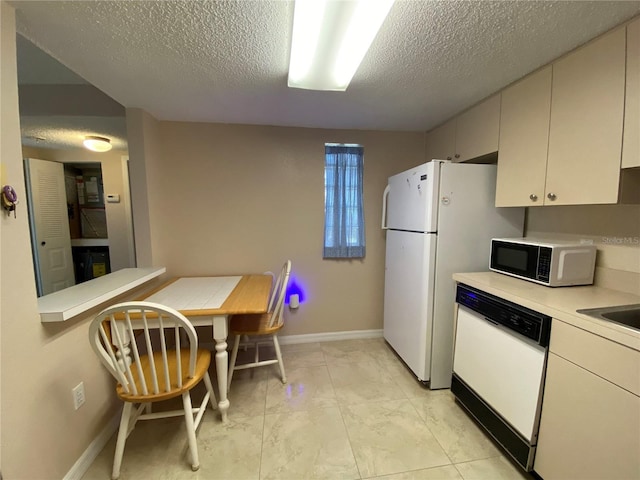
[(491, 321)]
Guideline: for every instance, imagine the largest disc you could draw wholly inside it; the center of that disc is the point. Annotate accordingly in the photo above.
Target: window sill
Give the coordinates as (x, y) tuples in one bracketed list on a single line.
[(65, 304)]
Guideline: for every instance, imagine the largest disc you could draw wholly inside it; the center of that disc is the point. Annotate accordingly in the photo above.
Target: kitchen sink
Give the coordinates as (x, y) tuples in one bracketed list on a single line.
[(627, 315)]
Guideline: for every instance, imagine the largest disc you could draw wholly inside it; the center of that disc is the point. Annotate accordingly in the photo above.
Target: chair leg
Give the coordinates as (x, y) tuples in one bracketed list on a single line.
[(212, 396), (279, 356), (123, 432), (191, 431), (232, 362)]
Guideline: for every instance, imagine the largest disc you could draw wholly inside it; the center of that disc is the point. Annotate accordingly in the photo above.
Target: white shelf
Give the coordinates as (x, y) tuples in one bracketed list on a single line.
[(89, 242), (65, 304)]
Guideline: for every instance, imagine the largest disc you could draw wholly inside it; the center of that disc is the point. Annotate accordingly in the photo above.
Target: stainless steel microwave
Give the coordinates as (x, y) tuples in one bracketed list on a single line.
[(550, 263)]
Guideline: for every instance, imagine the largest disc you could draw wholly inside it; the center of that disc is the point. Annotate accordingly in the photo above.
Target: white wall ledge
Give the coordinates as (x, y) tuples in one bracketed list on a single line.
[(65, 304)]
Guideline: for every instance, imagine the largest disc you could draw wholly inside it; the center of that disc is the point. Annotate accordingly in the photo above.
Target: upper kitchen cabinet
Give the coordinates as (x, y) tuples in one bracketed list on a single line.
[(630, 140), (472, 134), (524, 138), (441, 142), (585, 132), (478, 129), (561, 131)]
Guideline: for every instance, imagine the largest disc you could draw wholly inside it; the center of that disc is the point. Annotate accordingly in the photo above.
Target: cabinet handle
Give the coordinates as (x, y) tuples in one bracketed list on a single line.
[(449, 158), (551, 196), (533, 197), (457, 155)]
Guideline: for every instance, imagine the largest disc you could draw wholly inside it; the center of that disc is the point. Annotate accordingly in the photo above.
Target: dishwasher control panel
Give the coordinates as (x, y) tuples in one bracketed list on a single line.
[(526, 322)]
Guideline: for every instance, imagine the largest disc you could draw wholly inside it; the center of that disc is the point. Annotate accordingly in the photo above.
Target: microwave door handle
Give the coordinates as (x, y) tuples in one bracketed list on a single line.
[(385, 196)]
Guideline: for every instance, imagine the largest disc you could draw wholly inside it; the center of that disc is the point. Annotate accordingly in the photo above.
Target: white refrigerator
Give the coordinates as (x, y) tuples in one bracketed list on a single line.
[(439, 218)]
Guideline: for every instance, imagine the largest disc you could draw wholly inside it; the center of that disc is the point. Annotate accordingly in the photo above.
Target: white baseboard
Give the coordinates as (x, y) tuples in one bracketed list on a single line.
[(329, 336), (95, 447), (312, 338)]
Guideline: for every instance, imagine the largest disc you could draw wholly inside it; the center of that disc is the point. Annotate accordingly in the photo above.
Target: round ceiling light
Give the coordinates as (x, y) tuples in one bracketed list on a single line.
[(97, 144)]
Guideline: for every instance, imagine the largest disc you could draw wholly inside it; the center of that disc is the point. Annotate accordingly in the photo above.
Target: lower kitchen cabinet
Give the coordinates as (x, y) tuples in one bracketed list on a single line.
[(590, 427)]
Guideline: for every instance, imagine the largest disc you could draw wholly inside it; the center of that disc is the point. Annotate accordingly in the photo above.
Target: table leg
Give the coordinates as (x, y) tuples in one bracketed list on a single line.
[(220, 332)]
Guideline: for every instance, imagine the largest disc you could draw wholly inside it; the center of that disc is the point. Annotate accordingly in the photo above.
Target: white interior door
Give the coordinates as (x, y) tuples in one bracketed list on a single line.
[(49, 221), (408, 298)]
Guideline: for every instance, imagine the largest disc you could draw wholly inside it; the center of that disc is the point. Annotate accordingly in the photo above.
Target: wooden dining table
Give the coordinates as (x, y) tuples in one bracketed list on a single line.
[(211, 301)]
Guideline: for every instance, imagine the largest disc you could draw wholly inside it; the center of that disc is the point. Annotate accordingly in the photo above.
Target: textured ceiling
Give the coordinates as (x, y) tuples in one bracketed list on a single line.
[(68, 132), (226, 61), (45, 85)]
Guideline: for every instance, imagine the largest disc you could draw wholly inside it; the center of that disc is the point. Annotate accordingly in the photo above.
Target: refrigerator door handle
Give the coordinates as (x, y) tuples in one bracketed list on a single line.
[(385, 196)]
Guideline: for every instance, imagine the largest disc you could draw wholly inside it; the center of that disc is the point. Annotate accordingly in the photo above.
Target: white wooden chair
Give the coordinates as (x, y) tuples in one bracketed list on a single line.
[(141, 344), (259, 326)]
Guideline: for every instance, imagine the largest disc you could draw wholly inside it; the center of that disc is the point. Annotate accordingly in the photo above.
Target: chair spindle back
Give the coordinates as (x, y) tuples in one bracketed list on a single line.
[(132, 346), (276, 302)]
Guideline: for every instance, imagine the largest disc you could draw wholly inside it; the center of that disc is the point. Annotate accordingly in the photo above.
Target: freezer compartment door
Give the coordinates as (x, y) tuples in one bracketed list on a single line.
[(503, 369), (408, 298), (411, 200)]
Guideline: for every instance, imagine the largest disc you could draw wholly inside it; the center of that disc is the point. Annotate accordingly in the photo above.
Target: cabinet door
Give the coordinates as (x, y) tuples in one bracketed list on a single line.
[(631, 140), (590, 428), (441, 142), (477, 130), (524, 138), (585, 135)]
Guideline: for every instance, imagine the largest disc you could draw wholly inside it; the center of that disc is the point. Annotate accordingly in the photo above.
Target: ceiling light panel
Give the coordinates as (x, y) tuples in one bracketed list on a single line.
[(330, 39)]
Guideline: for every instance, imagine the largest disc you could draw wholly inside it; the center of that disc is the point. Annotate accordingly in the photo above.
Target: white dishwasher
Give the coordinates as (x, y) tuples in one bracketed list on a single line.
[(499, 366)]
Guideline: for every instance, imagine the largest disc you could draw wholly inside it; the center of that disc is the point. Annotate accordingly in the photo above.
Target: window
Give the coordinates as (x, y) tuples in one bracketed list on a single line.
[(343, 211)]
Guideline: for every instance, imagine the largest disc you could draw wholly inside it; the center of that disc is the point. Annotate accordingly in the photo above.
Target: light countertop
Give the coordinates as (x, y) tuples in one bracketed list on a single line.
[(560, 303), (65, 304)]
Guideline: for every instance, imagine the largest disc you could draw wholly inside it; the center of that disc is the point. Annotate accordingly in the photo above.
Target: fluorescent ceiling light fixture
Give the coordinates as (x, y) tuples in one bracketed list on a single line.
[(97, 144), (330, 39)]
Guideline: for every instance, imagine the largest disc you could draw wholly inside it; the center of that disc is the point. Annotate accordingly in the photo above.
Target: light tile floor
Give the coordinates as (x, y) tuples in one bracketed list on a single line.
[(350, 410)]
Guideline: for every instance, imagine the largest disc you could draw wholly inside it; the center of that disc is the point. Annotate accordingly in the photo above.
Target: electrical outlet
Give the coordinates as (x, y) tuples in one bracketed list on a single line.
[(78, 395)]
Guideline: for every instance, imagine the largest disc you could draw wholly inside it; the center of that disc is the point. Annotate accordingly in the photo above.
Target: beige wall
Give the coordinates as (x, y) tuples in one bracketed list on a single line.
[(615, 229), (9, 147), (144, 150), (229, 199), (42, 436), (117, 215)]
